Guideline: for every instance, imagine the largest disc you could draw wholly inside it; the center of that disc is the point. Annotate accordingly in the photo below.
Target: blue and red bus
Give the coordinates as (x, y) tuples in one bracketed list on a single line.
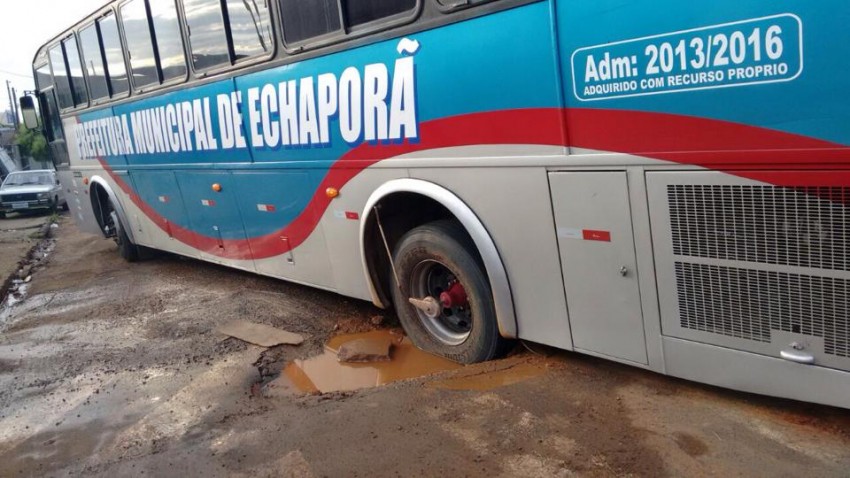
[(652, 182)]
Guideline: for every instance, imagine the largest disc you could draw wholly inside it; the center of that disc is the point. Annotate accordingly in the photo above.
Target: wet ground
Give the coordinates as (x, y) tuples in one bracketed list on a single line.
[(18, 234), (110, 369)]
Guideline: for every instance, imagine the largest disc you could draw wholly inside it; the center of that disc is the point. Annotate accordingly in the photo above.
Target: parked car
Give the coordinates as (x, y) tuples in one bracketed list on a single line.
[(31, 190)]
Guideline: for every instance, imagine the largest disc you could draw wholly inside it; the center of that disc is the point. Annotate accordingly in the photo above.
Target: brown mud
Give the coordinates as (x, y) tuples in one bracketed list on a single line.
[(114, 369)]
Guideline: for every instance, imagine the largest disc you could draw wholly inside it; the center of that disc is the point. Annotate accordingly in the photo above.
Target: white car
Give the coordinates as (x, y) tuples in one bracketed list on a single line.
[(31, 190)]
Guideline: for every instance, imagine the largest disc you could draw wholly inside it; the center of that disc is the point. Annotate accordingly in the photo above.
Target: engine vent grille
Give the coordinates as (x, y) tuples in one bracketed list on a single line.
[(805, 227), (749, 304)]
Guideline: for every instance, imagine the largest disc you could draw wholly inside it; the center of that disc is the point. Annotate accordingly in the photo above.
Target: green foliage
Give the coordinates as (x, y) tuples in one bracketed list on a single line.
[(32, 144)]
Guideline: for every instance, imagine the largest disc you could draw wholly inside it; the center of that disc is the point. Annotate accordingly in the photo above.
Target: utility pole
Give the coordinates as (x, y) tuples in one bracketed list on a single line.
[(16, 110), (11, 101)]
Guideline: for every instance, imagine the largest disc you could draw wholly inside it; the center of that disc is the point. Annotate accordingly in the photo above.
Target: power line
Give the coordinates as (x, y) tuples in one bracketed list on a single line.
[(15, 74)]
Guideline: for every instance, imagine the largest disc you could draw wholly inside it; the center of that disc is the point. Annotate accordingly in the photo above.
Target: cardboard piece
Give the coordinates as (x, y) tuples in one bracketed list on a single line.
[(259, 334)]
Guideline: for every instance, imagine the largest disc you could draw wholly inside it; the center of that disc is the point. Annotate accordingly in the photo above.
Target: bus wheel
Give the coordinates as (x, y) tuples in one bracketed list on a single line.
[(127, 250), (444, 300)]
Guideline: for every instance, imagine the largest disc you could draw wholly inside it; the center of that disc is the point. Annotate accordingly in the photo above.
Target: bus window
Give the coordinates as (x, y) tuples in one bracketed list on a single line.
[(359, 12), (75, 68), (169, 40), (43, 78), (134, 17), (94, 62), (60, 78), (114, 54), (250, 27), (304, 20), (207, 36)]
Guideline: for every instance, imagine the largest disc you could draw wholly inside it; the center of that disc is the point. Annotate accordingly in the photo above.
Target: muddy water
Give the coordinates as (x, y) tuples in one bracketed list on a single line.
[(495, 379), (325, 373)]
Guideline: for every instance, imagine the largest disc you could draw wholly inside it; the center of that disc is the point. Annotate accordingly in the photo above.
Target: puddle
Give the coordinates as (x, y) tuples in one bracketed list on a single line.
[(495, 379), (325, 374)]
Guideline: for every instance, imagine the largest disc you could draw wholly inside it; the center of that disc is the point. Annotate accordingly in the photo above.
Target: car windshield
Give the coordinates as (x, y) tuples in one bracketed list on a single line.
[(28, 179)]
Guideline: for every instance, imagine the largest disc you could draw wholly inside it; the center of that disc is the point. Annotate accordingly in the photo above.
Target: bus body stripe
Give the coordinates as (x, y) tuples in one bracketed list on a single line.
[(709, 143)]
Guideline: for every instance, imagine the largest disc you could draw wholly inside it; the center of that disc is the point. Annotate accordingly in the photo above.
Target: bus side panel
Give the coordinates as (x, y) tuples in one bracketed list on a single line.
[(741, 114), (192, 120), (158, 189), (653, 76), (216, 222), (269, 198)]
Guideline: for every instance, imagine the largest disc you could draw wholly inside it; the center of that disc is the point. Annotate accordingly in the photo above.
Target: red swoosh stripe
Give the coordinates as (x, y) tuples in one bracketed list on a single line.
[(738, 149)]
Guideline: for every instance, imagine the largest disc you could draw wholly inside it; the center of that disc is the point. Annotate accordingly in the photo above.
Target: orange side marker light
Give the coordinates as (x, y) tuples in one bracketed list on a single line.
[(332, 193)]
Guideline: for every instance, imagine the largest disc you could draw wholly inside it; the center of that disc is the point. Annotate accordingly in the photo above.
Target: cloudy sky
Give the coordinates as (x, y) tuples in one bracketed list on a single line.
[(27, 24)]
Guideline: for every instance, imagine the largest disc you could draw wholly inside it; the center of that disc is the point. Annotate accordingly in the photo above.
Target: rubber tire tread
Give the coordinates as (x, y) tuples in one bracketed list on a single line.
[(447, 242), (126, 249)]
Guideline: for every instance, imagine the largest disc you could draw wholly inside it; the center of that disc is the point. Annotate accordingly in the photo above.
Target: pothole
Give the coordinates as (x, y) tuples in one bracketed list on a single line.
[(329, 373), (326, 374)]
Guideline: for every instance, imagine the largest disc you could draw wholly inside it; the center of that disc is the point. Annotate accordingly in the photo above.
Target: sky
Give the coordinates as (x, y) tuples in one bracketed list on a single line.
[(25, 26)]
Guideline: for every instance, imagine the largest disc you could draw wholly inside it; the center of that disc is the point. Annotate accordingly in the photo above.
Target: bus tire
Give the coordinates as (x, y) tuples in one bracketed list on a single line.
[(126, 248), (431, 260)]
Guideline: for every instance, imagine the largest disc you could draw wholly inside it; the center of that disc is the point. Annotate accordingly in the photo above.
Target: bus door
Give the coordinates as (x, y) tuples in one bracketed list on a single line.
[(218, 231), (58, 148), (52, 126), (596, 242)]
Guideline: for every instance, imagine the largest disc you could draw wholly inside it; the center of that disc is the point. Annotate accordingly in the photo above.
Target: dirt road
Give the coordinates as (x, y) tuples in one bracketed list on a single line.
[(111, 369)]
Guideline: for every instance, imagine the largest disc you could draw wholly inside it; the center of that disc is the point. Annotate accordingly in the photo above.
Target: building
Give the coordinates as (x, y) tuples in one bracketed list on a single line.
[(7, 137)]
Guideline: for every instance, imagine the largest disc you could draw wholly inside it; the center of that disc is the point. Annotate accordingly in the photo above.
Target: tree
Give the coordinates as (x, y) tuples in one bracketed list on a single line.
[(32, 144)]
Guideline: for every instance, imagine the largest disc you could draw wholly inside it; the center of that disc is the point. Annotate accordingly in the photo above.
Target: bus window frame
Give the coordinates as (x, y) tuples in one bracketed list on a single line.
[(60, 43), (254, 60), (96, 20), (181, 27), (346, 33), (234, 64), (85, 104), (108, 97), (183, 38), (449, 7)]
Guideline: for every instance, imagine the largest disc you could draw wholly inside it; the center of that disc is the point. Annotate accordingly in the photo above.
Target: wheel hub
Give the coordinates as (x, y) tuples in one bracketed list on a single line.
[(441, 301), (455, 296)]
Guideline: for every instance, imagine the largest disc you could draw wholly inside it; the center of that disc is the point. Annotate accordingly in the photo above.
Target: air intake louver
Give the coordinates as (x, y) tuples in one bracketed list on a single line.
[(807, 227), (747, 259), (748, 304)]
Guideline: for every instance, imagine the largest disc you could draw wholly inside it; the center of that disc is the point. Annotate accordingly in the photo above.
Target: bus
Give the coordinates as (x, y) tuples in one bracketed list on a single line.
[(655, 183)]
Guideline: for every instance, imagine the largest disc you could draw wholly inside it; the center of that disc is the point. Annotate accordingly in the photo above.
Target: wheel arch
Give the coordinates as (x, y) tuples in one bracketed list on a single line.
[(372, 246), (98, 184)]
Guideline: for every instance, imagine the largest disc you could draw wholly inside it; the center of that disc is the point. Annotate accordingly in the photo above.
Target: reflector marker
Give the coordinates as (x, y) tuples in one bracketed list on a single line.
[(266, 208), (601, 236), (163, 199), (208, 202), (584, 234)]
